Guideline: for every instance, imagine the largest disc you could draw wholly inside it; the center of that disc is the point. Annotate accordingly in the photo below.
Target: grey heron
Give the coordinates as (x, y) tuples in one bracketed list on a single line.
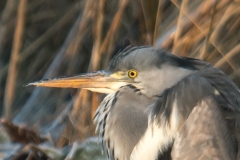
[(162, 106)]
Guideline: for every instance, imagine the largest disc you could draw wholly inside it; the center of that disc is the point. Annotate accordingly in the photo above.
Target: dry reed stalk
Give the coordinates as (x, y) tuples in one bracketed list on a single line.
[(109, 40), (59, 120), (215, 38), (51, 31), (37, 63), (40, 93), (235, 51), (220, 6), (81, 113), (81, 106), (8, 20), (230, 12), (74, 48), (170, 20), (158, 20), (97, 33), (8, 13), (202, 13), (206, 46), (96, 54), (83, 27), (192, 18), (77, 42), (212, 57), (44, 37), (147, 25), (235, 26), (185, 43), (197, 36), (12, 73), (80, 110), (178, 31)]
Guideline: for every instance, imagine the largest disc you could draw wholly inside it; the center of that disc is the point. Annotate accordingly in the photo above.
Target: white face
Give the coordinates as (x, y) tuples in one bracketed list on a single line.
[(154, 82), (113, 88)]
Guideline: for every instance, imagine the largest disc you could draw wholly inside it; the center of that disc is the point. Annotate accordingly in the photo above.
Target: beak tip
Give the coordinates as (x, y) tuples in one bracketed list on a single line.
[(33, 84), (30, 84)]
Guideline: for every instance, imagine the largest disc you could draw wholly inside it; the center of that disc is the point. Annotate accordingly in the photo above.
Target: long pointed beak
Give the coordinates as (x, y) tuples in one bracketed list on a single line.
[(100, 81)]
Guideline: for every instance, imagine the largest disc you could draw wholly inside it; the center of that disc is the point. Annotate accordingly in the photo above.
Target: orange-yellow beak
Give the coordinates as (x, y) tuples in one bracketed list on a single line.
[(100, 81)]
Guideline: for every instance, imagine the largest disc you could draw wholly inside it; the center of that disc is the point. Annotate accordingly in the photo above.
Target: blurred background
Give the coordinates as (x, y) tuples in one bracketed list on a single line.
[(50, 38)]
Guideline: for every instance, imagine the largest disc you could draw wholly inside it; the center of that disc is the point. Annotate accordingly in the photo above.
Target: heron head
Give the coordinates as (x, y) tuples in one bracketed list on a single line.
[(149, 69)]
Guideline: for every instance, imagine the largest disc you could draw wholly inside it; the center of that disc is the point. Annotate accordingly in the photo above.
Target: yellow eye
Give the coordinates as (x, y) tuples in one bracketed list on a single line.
[(132, 73)]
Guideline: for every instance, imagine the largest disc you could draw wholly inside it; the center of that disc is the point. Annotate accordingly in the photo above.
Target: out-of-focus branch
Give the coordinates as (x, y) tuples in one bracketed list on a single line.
[(12, 72)]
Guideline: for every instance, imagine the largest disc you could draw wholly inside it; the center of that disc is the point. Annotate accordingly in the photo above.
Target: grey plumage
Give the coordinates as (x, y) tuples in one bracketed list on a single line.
[(209, 142), (124, 116), (157, 113)]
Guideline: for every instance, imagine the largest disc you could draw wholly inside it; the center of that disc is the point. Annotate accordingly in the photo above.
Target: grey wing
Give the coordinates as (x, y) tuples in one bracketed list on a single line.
[(204, 135)]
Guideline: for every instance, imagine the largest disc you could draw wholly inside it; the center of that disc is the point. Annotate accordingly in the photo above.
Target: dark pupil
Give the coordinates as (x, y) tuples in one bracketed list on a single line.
[(132, 73)]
